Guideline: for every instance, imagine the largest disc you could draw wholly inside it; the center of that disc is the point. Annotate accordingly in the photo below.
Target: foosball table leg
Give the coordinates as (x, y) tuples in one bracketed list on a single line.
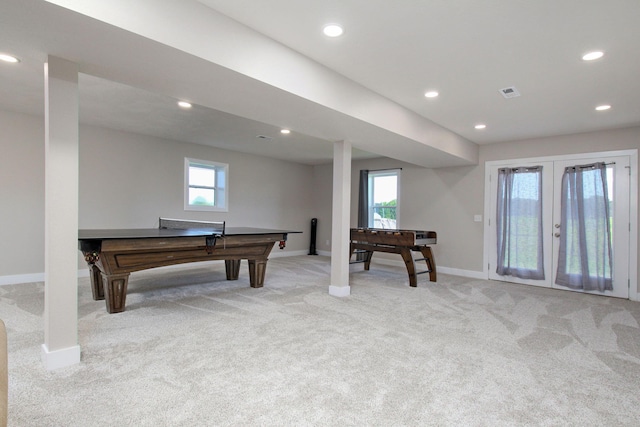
[(411, 266), (430, 260), (367, 260)]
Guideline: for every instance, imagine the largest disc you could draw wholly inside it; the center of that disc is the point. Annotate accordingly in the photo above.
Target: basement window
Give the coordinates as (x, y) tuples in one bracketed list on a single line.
[(206, 185)]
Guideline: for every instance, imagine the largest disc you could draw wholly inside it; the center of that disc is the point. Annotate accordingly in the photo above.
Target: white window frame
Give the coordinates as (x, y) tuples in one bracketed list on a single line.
[(380, 173), (221, 202)]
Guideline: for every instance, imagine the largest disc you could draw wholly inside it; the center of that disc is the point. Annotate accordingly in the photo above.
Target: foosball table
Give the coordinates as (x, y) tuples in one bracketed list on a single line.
[(366, 241)]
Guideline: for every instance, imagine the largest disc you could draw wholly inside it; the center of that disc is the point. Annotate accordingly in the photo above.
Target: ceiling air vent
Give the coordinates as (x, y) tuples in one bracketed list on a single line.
[(509, 92), (268, 138)]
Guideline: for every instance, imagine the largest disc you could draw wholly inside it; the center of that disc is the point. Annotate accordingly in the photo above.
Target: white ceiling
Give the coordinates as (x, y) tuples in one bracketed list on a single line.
[(468, 50), (465, 49), (109, 104)]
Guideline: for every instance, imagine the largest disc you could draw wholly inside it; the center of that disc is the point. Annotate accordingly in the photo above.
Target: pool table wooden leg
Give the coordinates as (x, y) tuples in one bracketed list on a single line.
[(232, 267), (115, 291), (97, 289), (257, 269)]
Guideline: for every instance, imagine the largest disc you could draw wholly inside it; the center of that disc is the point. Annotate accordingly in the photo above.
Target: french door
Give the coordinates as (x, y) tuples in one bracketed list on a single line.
[(527, 231)]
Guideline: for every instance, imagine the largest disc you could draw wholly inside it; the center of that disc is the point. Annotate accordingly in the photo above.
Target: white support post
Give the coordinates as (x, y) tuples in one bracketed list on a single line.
[(340, 219), (60, 346)]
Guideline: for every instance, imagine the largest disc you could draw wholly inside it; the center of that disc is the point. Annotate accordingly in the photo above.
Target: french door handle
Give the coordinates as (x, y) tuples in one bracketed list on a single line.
[(557, 226), (557, 234)]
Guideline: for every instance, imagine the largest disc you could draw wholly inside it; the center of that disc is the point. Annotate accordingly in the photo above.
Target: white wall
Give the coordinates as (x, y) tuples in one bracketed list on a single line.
[(21, 194), (129, 180), (440, 200), (445, 200)]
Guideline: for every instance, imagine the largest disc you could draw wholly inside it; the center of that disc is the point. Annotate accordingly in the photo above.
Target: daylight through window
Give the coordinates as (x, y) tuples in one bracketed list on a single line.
[(383, 198), (206, 185)]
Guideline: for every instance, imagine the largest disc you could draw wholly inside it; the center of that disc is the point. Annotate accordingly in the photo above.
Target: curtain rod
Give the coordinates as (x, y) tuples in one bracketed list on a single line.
[(533, 168), (382, 170), (523, 168), (590, 165)]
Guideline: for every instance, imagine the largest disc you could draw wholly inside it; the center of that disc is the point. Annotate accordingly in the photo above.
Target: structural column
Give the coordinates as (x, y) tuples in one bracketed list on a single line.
[(340, 219), (60, 346)]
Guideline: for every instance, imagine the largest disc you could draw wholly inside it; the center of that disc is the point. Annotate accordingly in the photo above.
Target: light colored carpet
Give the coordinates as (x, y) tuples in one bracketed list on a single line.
[(193, 349)]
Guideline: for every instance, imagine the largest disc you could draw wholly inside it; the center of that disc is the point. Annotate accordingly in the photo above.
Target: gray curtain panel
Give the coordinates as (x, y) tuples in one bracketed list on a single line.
[(363, 205), (519, 223), (585, 260), (363, 199)]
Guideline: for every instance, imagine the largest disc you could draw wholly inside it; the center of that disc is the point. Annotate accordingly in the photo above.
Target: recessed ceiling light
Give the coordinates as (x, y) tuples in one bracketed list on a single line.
[(184, 104), (603, 107), (480, 126), (592, 55), (431, 94), (332, 30), (285, 131), (8, 58)]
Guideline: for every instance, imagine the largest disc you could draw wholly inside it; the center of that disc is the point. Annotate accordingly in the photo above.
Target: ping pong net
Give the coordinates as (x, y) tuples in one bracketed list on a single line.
[(216, 227)]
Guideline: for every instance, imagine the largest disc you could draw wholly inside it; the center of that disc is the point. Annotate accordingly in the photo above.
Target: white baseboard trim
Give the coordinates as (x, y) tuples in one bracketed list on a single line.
[(21, 278), (60, 358), (277, 253), (339, 291), (464, 273), (444, 270)]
